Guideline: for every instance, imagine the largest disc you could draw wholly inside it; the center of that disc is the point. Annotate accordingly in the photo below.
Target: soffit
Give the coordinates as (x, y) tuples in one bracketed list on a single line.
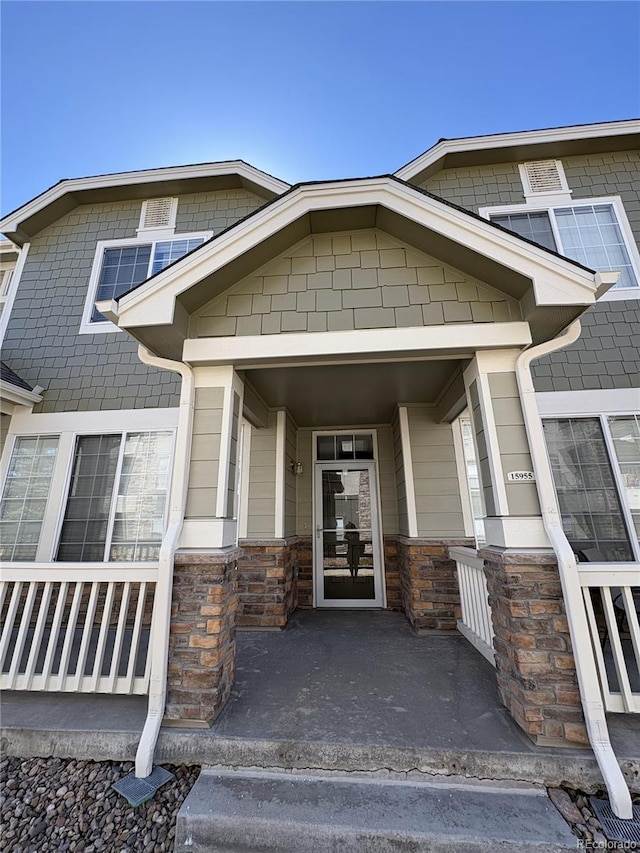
[(30, 219), (506, 262), (351, 394), (519, 147)]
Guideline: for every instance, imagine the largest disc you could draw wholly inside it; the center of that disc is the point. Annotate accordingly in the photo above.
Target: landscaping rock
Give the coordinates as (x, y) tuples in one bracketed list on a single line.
[(565, 805), (51, 805)]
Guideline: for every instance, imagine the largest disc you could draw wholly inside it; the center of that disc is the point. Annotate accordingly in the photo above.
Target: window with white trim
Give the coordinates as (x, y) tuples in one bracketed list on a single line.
[(121, 265), (596, 469), (588, 233), (115, 506), (115, 502), (25, 495)]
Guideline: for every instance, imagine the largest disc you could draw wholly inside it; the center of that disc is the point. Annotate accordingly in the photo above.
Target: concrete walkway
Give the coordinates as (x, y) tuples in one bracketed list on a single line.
[(336, 691)]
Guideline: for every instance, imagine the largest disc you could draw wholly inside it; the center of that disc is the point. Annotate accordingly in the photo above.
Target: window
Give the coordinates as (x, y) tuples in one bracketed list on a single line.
[(116, 503), (25, 495), (344, 446), (596, 234), (120, 265), (473, 479), (596, 469)]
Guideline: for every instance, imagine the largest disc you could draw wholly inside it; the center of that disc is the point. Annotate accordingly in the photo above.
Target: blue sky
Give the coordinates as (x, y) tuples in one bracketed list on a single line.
[(304, 90)]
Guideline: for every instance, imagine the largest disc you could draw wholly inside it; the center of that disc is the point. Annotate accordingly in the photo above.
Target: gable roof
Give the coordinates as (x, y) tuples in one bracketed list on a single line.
[(11, 378), (523, 145), (21, 224), (455, 235)]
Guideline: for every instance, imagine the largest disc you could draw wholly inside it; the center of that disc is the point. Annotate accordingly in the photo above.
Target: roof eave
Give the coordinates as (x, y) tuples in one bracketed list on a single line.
[(504, 147), (21, 224)]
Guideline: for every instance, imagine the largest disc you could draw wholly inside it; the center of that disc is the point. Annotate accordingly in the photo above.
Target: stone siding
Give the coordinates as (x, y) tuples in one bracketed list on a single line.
[(202, 642), (535, 665), (266, 582), (429, 584)]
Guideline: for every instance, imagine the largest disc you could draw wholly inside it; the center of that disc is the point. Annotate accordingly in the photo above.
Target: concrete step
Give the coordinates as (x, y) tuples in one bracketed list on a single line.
[(253, 811)]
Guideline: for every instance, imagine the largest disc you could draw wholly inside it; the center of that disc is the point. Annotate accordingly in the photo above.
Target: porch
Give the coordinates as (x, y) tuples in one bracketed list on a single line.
[(356, 691)]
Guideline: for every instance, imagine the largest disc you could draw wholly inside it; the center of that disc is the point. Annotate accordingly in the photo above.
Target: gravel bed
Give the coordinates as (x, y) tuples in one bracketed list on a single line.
[(54, 804), (575, 808)]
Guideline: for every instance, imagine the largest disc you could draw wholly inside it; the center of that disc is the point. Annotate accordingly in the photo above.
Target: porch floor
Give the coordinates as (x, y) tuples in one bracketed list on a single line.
[(335, 689)]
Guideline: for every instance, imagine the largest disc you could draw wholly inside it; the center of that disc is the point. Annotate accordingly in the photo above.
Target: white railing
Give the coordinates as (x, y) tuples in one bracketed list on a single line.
[(76, 628), (476, 623), (611, 594)]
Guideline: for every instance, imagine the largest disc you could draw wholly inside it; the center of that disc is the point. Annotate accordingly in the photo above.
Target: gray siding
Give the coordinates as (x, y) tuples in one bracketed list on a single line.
[(362, 280), (401, 489), (606, 355), (388, 487), (522, 498), (435, 475), (290, 479), (262, 482), (42, 344), (205, 453), (304, 497)]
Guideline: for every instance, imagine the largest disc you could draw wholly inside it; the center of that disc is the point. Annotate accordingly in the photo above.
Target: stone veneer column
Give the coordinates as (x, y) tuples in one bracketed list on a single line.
[(266, 582), (430, 595), (202, 642), (534, 659)]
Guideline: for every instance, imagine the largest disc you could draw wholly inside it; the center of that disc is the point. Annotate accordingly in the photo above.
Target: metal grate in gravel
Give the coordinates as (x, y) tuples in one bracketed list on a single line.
[(138, 791), (614, 827)]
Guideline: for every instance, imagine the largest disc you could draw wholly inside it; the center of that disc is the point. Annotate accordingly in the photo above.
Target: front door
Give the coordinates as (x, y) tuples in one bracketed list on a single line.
[(347, 547)]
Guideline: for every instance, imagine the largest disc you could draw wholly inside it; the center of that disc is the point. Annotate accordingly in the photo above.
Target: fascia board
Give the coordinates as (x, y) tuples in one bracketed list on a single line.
[(507, 140), (11, 223), (556, 281), (18, 396), (351, 345)]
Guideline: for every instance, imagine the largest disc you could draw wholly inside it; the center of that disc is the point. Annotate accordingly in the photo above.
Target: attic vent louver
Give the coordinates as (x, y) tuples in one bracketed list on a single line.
[(157, 213), (544, 176)]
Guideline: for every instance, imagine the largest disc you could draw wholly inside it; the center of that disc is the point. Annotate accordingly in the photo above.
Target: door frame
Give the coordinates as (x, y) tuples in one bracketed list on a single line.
[(380, 601)]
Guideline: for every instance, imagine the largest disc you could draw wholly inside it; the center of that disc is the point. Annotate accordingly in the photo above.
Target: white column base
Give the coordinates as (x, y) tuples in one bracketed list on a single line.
[(208, 533), (515, 532)]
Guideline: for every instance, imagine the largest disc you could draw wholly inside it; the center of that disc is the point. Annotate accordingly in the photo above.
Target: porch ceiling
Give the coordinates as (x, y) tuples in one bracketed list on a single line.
[(351, 394)]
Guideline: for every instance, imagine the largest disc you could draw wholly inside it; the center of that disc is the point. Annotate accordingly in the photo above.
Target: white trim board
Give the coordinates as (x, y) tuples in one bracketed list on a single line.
[(556, 280), (113, 420), (544, 204), (249, 350), (144, 238), (244, 171), (507, 140), (567, 403)]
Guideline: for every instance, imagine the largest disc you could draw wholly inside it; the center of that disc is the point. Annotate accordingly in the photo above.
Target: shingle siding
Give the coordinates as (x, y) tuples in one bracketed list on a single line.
[(101, 371), (606, 355)]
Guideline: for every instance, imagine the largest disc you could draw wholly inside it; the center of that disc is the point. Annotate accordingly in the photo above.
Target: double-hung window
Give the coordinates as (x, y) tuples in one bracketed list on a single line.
[(114, 506), (596, 469), (121, 265)]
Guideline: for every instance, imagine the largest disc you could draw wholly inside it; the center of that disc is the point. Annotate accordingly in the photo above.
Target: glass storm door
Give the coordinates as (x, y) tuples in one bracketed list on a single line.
[(347, 548)]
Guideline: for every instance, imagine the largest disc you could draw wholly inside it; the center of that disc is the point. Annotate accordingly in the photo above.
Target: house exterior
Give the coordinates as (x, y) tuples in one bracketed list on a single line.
[(226, 397)]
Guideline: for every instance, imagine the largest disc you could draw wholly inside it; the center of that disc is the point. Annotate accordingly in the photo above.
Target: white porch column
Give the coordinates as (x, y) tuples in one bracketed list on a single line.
[(512, 506), (211, 513)]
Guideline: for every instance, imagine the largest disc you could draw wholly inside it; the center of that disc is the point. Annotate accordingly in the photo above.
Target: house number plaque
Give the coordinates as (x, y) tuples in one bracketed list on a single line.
[(521, 477)]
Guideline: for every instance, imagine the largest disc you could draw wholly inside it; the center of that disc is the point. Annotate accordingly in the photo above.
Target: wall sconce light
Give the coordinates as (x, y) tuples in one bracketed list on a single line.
[(296, 467)]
